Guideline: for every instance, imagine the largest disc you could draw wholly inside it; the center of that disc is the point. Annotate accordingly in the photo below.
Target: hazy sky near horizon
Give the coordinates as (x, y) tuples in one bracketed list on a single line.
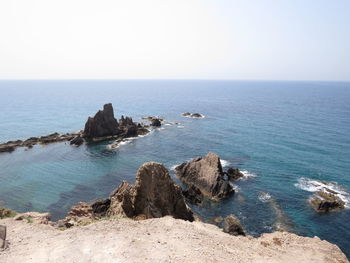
[(180, 39)]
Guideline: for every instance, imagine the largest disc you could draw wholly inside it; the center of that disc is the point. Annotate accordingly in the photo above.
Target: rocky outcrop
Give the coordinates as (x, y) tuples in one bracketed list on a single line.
[(206, 174), (192, 115), (102, 124), (233, 226), (153, 195), (10, 146), (156, 123), (326, 201)]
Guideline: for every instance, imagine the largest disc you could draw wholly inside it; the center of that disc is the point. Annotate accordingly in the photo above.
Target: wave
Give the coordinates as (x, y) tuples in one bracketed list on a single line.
[(312, 185), (181, 126), (116, 144), (173, 167), (247, 174), (264, 197), (224, 163)]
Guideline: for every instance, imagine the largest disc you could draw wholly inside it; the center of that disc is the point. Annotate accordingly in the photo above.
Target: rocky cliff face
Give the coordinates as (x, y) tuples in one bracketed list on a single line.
[(153, 195), (206, 174)]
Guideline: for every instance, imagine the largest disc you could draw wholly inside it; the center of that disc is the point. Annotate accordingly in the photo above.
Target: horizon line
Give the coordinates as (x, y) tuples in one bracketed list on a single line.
[(169, 79)]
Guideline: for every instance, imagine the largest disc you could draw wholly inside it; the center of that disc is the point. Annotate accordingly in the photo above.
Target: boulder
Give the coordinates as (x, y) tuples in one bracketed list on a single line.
[(2, 236), (233, 226), (326, 202), (206, 174), (102, 124), (156, 122), (196, 115)]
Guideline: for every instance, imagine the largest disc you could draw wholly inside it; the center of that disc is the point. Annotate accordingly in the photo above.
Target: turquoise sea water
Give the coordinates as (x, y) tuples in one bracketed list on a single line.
[(283, 134)]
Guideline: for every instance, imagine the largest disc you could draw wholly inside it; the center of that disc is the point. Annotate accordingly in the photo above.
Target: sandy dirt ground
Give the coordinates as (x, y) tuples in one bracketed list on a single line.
[(157, 240)]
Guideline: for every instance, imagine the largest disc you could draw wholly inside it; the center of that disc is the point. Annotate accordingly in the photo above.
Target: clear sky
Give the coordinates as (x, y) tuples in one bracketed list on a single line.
[(179, 39)]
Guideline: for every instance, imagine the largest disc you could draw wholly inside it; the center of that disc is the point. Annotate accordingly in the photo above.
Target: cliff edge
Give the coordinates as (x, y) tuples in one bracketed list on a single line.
[(157, 240)]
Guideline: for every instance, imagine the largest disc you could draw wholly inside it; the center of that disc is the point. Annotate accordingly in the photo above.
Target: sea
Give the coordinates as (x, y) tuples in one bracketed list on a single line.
[(289, 138)]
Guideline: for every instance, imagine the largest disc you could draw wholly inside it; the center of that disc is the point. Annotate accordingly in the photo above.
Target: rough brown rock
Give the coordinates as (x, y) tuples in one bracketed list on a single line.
[(153, 195), (234, 174), (326, 202), (233, 226), (207, 175)]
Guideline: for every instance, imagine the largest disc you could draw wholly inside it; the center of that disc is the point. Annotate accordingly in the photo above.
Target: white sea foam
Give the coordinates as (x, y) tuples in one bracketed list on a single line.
[(173, 167), (224, 163), (116, 144), (313, 186), (247, 174), (264, 197), (180, 126)]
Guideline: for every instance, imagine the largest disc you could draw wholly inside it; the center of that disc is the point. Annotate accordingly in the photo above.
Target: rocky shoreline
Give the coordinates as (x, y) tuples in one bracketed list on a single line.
[(103, 126)]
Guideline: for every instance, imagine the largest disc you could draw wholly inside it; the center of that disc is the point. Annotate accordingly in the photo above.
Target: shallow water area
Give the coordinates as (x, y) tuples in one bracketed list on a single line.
[(275, 132)]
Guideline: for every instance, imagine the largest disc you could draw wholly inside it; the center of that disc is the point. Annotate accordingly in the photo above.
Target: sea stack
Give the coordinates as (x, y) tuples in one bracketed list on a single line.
[(205, 174), (103, 124)]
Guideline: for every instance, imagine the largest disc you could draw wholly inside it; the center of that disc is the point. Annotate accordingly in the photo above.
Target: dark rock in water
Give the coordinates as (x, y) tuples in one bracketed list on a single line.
[(233, 226), (156, 123), (2, 236), (233, 174), (153, 195), (77, 141), (131, 131), (196, 115), (192, 115), (6, 148), (193, 195), (102, 124), (326, 202), (207, 175)]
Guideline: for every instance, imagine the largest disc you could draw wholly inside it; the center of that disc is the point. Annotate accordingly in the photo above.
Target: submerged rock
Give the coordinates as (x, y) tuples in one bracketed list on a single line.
[(206, 174), (233, 226), (326, 202), (102, 124)]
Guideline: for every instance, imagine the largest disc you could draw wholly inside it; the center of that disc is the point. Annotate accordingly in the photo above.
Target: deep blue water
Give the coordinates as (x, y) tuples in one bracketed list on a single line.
[(278, 131)]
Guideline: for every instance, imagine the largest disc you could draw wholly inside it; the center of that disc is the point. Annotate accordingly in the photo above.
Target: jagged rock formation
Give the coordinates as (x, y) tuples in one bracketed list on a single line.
[(326, 201), (206, 174), (153, 195), (233, 226), (102, 124)]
